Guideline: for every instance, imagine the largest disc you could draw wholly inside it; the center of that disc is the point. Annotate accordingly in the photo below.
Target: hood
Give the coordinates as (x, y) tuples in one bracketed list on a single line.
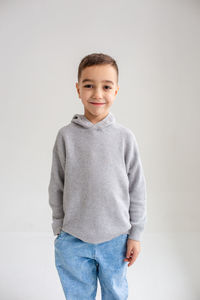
[(81, 120)]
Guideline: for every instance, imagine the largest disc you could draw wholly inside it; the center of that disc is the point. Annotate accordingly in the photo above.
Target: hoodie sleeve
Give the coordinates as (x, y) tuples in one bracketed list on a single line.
[(137, 190), (56, 184)]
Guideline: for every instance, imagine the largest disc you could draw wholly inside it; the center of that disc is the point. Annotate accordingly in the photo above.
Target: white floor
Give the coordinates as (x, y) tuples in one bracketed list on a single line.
[(167, 268)]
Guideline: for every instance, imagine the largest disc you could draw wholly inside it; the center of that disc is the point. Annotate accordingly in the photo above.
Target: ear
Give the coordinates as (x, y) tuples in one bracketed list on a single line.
[(78, 91), (116, 91)]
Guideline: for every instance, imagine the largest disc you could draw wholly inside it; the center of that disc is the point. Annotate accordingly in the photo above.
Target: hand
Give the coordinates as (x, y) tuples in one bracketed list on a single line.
[(132, 251)]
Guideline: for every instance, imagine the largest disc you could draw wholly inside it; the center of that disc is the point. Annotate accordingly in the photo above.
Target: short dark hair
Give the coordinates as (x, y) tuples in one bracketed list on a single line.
[(97, 59)]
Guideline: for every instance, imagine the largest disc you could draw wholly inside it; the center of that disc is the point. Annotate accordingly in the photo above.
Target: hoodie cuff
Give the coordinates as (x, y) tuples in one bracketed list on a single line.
[(135, 234), (57, 226)]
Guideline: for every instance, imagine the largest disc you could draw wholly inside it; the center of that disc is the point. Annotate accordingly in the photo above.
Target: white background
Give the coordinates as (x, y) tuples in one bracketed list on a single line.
[(156, 45)]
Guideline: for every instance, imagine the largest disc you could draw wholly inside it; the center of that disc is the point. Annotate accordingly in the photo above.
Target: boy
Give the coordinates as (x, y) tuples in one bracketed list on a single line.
[(97, 190)]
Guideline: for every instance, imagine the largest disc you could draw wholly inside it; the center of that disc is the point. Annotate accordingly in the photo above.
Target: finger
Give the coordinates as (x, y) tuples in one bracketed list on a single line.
[(128, 258), (129, 252), (132, 259)]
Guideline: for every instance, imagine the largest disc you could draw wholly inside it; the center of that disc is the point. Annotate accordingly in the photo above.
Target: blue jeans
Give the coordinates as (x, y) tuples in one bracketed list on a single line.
[(80, 263)]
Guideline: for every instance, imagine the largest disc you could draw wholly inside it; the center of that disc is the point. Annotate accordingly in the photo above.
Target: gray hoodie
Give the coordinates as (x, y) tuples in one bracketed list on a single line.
[(97, 188)]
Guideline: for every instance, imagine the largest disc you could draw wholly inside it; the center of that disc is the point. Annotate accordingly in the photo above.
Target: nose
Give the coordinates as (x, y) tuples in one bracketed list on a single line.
[(97, 93)]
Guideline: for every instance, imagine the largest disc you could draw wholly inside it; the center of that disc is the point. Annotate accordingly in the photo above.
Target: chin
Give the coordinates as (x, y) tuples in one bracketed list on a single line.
[(98, 111)]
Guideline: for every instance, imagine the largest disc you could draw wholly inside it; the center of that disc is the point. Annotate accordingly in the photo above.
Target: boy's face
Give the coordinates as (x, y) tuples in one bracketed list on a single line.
[(93, 88)]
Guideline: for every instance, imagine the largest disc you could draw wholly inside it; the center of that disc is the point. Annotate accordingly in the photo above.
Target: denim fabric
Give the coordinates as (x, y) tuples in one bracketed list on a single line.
[(79, 264)]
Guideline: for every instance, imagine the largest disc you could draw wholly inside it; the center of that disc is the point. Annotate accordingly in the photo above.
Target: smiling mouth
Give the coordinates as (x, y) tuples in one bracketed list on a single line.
[(97, 103)]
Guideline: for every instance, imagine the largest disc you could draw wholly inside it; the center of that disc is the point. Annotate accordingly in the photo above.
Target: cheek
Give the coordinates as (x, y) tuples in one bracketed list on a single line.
[(85, 94), (109, 98)]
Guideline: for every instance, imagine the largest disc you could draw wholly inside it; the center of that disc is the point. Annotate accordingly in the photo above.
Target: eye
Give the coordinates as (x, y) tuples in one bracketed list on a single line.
[(107, 87), (87, 85)]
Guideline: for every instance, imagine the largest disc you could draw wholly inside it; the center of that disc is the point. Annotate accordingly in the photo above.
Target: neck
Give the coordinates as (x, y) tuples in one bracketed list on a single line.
[(95, 119)]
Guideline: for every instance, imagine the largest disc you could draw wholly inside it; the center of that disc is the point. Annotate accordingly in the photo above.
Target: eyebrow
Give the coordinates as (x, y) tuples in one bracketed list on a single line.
[(109, 81)]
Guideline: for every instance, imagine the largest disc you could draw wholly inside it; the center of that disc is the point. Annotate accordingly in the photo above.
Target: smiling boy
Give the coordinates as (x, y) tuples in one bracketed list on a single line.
[(97, 190), (96, 93)]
